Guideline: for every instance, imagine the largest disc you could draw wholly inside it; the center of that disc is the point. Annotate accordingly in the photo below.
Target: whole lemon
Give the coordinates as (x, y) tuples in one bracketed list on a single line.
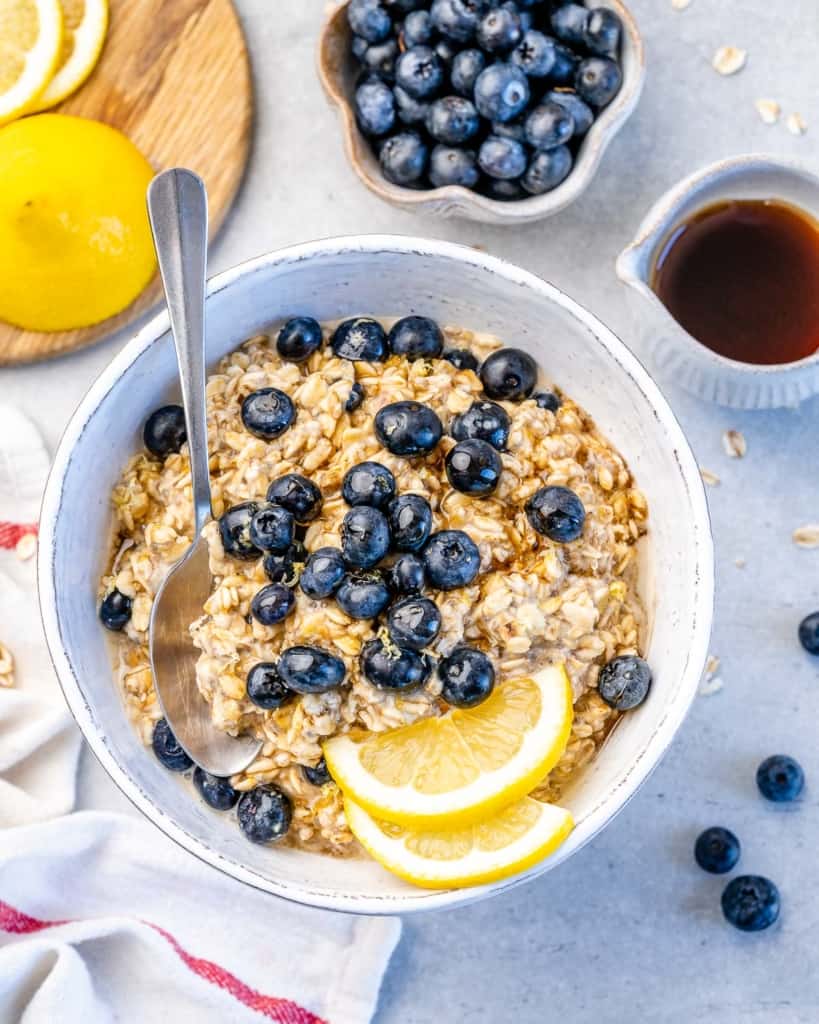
[(75, 243)]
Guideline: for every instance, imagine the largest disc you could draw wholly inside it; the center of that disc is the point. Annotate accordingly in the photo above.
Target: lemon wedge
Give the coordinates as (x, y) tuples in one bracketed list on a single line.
[(31, 34), (75, 244), (510, 842), (464, 766), (85, 23)]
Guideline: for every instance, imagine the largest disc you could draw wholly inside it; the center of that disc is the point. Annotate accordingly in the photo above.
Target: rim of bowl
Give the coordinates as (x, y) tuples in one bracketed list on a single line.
[(460, 201), (635, 773)]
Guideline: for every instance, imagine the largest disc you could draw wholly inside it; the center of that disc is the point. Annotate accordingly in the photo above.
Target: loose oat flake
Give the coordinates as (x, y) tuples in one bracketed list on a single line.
[(740, 563), (768, 110), (729, 59), (807, 536), (734, 444), (6, 666), (796, 124), (26, 546), (709, 478)]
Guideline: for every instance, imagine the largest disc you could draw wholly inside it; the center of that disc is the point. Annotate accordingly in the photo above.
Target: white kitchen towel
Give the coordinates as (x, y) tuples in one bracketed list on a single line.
[(102, 918)]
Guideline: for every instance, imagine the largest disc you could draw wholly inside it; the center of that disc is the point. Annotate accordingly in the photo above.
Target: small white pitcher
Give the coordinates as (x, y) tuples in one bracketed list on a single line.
[(674, 351)]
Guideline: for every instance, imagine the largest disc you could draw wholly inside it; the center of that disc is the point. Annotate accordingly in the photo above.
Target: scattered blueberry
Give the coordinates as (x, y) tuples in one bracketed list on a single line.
[(307, 669), (474, 467), (414, 622), (417, 29), (267, 413), (393, 668), (750, 903), (457, 19), (582, 113), (569, 23), (408, 428), (547, 400), (272, 604), (234, 529), (509, 374), (598, 80), (409, 110), (360, 339), (374, 106), (501, 92), (265, 687), (368, 483), (466, 66), (115, 610), (564, 68), (501, 157), (546, 170), (549, 125), (369, 20), (809, 633), (450, 165), (168, 749), (603, 31), (216, 791), (468, 677), (365, 537), (484, 420), (323, 573), (535, 54), (407, 574), (500, 30), (355, 398), (165, 432), (462, 359), (379, 59), (410, 519), (404, 158), (284, 567), (272, 529), (452, 559), (780, 778), (363, 595), (298, 495), (452, 120), (317, 775), (419, 72), (624, 682), (717, 850), (264, 814), (299, 339)]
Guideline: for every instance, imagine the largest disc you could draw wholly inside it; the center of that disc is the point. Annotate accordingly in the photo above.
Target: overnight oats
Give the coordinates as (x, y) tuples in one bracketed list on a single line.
[(424, 597)]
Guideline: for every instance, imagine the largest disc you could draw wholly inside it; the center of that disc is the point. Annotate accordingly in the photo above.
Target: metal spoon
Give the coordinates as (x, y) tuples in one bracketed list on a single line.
[(178, 211)]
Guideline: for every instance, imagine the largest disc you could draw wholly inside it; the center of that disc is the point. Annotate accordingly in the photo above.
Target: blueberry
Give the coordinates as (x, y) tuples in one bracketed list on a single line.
[(809, 633), (363, 595), (546, 170), (486, 421), (283, 567), (526, 17), (264, 814), (565, 66), (417, 29), (272, 604), (501, 157), (414, 622), (408, 109), (750, 903), (398, 8), (393, 668), (466, 66), (298, 339), (501, 92), (311, 669), (624, 682), (452, 120), (547, 400), (416, 337), (505, 191), (549, 125), (323, 573), (115, 610), (265, 687), (462, 359), (557, 513), (167, 748), (603, 30), (457, 19), (535, 54), (780, 778), (500, 30), (474, 467), (368, 483), (468, 677), (374, 106), (408, 428), (598, 81), (717, 850), (359, 47), (272, 529), (317, 775), (569, 23), (445, 50), (404, 158), (379, 59), (355, 398), (509, 374), (450, 165), (419, 72), (360, 339), (582, 113), (165, 431), (365, 537), (515, 129), (267, 413), (216, 791), (369, 20), (298, 495), (410, 519), (234, 529), (407, 574), (452, 559)]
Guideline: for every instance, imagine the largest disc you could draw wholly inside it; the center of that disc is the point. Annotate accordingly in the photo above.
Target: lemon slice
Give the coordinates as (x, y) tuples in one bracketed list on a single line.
[(512, 841), (85, 23), (31, 34), (464, 766)]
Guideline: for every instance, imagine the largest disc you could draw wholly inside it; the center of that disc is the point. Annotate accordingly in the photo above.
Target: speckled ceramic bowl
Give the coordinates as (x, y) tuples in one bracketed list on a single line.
[(337, 70), (330, 280)]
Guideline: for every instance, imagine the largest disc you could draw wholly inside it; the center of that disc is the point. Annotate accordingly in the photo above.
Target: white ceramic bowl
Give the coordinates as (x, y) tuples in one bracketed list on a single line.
[(332, 279)]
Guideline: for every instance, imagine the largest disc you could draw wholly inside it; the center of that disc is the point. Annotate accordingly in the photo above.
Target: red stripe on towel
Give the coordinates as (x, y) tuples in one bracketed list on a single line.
[(10, 533)]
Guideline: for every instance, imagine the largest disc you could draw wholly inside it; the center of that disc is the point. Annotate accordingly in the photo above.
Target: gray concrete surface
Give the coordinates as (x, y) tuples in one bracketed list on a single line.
[(630, 930)]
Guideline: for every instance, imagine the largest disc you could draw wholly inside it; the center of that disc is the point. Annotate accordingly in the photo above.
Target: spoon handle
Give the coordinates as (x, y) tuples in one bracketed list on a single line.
[(178, 211)]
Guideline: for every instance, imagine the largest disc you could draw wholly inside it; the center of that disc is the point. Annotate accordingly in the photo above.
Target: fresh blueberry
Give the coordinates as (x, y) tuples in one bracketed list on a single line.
[(410, 519), (369, 20), (374, 106), (466, 66), (379, 59), (414, 622), (535, 54), (323, 573), (216, 791), (556, 513), (549, 125), (360, 339), (509, 374), (408, 428), (457, 19), (168, 749), (603, 31), (809, 633), (409, 110), (363, 595), (393, 668), (624, 682), (445, 50), (272, 604), (780, 778), (355, 398), (298, 495), (417, 29), (500, 30), (546, 170), (403, 158), (504, 191), (359, 47), (526, 17), (310, 669), (399, 8), (365, 537), (452, 559), (272, 528), (501, 92), (462, 359), (547, 400), (487, 421), (368, 483), (502, 158), (717, 850), (407, 574), (468, 677), (416, 337), (283, 567), (264, 814), (565, 66), (265, 687), (569, 23), (165, 431), (515, 129), (299, 339), (419, 72), (450, 165), (598, 81), (452, 120), (115, 611), (474, 467), (750, 903), (317, 775), (582, 113), (234, 529), (267, 413)]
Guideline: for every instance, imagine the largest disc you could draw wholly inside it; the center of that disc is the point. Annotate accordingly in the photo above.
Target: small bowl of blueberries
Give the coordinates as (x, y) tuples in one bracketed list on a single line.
[(493, 110)]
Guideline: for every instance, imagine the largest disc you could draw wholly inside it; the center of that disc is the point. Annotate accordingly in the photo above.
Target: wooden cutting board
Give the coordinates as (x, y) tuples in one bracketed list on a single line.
[(174, 77)]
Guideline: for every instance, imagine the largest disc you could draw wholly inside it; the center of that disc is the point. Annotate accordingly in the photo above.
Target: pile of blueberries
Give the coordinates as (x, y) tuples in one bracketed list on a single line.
[(492, 95)]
